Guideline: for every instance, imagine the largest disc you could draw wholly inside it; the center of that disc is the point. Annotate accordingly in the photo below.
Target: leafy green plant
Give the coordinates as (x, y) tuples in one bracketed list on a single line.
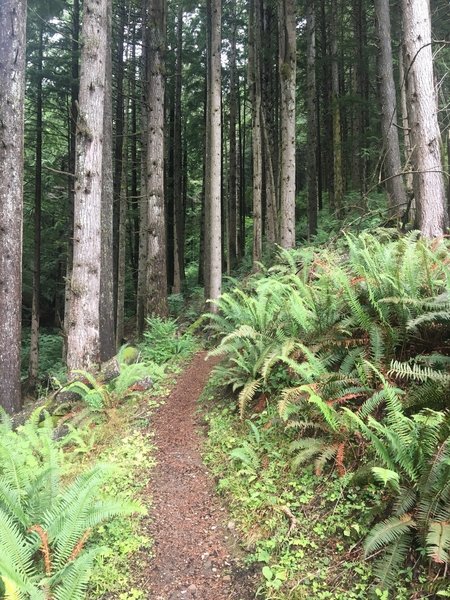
[(93, 393), (98, 395), (353, 343), (42, 517), (413, 453), (163, 342), (50, 353), (322, 313)]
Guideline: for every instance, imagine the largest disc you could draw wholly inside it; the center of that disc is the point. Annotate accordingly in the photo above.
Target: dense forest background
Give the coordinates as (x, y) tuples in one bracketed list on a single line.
[(225, 131)]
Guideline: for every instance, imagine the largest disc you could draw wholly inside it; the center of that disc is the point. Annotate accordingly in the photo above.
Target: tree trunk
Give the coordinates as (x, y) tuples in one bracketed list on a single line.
[(242, 178), (33, 366), (269, 109), (287, 70), (178, 209), (392, 164), (142, 201), (74, 90), (156, 287), (270, 185), (233, 166), (83, 342), (135, 201), (327, 120), (254, 71), (13, 15), (213, 175), (311, 118), (207, 169), (338, 181), (361, 91), (201, 279), (406, 138), (121, 238), (428, 178), (107, 272), (119, 139)]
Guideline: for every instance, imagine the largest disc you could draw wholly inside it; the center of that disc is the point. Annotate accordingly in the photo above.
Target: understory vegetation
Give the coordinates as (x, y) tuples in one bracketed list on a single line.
[(329, 435), (340, 357), (72, 476)]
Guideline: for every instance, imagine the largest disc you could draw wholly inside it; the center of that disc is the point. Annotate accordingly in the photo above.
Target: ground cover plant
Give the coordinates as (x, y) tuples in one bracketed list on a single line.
[(348, 348), (46, 522), (71, 527)]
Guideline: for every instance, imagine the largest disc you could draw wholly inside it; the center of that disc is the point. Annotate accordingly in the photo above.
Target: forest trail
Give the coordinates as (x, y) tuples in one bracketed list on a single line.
[(193, 555)]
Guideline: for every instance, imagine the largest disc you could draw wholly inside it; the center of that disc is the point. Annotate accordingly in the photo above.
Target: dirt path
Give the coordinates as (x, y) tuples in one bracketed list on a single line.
[(192, 546)]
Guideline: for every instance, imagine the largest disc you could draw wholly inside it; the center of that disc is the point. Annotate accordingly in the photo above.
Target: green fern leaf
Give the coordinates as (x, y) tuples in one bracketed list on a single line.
[(438, 541), (75, 577), (386, 476), (247, 394), (387, 567), (387, 532)]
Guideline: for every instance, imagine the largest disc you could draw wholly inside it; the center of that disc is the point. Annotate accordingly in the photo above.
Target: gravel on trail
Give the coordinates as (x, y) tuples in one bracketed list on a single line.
[(195, 555)]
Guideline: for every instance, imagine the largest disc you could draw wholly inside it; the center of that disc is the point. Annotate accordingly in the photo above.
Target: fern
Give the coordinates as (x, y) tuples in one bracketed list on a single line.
[(438, 541), (247, 455), (418, 373), (72, 581), (247, 394), (38, 513), (387, 567), (387, 532)]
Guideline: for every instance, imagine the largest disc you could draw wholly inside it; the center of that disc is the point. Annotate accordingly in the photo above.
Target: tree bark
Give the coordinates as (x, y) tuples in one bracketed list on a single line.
[(325, 90), (107, 273), (178, 208), (33, 367), (233, 166), (311, 117), (213, 198), (287, 70), (121, 238), (397, 200), (361, 91), (119, 140), (142, 200), (156, 269), (429, 189), (406, 136), (83, 348), (74, 89), (338, 181), (269, 111), (13, 15), (254, 71)]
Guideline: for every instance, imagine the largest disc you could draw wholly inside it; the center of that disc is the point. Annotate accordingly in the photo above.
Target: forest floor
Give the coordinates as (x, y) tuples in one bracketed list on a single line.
[(195, 553)]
